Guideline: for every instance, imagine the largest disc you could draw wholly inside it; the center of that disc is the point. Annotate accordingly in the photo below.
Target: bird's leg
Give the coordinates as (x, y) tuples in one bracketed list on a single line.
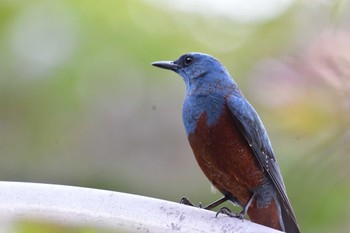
[(246, 207), (242, 214), (218, 202), (185, 201)]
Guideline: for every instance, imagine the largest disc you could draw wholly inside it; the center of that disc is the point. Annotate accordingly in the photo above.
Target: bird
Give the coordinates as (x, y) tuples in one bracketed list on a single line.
[(230, 143)]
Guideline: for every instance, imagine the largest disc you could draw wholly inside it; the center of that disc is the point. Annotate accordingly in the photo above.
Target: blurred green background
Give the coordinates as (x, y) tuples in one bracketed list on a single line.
[(81, 105)]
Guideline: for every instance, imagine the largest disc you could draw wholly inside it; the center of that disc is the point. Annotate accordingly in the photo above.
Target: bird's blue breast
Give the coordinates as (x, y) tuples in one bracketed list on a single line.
[(194, 105)]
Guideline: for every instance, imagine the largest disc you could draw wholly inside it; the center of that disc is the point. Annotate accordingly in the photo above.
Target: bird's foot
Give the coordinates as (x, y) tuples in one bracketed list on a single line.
[(242, 214), (228, 212), (185, 201)]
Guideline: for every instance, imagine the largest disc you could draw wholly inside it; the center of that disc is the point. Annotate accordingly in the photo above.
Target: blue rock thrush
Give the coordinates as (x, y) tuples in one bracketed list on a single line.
[(230, 143)]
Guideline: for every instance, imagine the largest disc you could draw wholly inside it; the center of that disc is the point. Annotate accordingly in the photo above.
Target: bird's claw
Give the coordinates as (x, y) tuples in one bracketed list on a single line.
[(228, 212), (185, 201)]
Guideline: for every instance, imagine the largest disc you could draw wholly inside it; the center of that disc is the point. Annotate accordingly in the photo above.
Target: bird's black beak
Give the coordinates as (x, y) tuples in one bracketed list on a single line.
[(169, 65)]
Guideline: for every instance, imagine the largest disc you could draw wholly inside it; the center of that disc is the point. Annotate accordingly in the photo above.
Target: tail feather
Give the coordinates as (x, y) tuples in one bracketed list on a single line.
[(268, 215), (275, 216), (289, 221)]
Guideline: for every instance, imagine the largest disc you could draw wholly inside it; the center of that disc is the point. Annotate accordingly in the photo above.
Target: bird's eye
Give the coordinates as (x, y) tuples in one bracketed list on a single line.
[(188, 60)]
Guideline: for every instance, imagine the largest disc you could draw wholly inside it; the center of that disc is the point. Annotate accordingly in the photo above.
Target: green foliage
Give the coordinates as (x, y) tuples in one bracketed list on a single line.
[(41, 227)]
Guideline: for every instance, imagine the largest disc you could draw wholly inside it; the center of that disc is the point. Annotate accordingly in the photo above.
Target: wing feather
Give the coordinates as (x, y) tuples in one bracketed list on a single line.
[(254, 131)]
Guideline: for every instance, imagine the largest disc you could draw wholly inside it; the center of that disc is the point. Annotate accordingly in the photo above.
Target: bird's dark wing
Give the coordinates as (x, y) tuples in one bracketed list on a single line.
[(254, 132)]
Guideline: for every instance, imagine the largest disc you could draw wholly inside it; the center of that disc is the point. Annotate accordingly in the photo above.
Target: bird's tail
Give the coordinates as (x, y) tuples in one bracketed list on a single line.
[(268, 215), (274, 216), (289, 221)]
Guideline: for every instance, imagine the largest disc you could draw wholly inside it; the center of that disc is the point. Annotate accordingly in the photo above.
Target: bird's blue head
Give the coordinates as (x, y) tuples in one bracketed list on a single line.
[(200, 71)]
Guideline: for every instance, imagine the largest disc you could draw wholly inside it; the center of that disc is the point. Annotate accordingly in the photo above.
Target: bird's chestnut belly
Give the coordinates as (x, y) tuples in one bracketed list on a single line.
[(225, 157)]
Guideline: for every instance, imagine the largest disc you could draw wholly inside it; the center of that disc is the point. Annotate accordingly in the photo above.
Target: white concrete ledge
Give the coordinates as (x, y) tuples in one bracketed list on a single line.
[(78, 206)]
